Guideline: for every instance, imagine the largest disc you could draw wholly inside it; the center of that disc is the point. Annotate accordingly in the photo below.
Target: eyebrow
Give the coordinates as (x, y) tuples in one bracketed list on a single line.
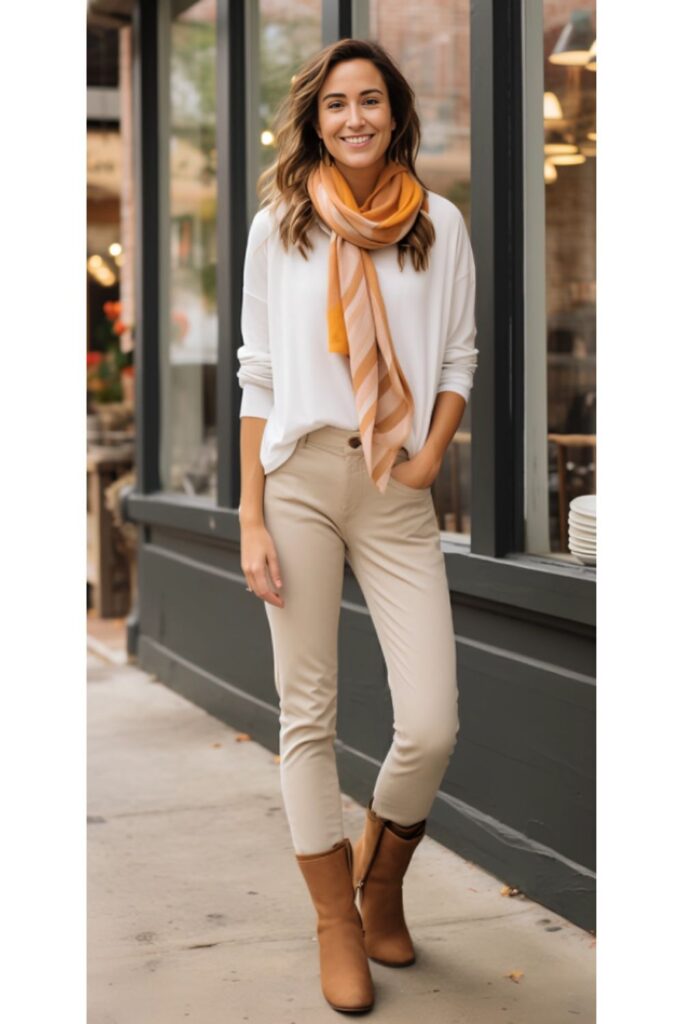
[(343, 94)]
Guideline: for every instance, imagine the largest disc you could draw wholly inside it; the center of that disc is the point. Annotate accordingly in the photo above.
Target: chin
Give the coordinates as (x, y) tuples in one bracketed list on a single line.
[(361, 159)]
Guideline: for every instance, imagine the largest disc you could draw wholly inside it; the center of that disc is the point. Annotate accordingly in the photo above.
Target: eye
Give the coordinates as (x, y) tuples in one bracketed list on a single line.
[(369, 99)]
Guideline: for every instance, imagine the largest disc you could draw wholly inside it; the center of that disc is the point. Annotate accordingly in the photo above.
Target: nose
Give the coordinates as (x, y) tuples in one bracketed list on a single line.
[(355, 117)]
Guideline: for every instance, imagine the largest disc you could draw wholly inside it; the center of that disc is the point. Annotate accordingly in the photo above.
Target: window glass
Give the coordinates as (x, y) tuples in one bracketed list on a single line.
[(430, 42), (189, 336), (288, 34), (569, 173)]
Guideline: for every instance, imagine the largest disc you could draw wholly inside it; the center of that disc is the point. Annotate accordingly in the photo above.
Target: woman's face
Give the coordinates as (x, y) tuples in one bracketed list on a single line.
[(354, 116)]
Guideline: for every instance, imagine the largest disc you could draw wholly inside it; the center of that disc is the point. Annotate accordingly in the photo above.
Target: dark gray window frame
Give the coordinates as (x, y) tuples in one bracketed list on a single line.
[(494, 566)]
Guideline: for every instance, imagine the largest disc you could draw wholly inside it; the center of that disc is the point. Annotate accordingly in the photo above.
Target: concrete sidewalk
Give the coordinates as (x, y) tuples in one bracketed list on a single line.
[(197, 910)]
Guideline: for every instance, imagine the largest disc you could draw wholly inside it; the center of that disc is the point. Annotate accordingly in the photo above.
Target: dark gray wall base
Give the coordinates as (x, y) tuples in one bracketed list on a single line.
[(539, 872), (133, 631), (236, 708)]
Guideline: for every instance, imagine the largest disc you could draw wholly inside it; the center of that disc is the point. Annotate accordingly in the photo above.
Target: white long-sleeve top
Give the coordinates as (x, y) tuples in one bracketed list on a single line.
[(290, 378)]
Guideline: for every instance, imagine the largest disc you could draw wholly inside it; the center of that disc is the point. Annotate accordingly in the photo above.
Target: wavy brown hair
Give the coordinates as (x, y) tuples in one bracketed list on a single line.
[(298, 151)]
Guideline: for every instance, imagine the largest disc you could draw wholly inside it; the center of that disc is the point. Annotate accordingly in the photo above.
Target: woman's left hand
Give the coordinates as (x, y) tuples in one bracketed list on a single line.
[(418, 472)]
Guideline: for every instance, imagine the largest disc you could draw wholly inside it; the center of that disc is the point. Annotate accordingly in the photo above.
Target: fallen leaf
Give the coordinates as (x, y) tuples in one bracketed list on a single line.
[(514, 976), (216, 745), (509, 890), (242, 737), (276, 758)]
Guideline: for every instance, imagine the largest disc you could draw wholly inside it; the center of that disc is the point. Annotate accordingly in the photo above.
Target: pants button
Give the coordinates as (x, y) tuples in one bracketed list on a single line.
[(355, 441)]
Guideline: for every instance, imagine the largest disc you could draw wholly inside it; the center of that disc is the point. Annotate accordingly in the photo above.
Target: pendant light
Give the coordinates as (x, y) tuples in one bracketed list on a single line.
[(574, 42), (566, 159), (556, 143), (549, 172), (552, 111)]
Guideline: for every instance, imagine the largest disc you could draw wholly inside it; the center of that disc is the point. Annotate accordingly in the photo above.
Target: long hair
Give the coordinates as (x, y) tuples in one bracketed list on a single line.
[(299, 148)]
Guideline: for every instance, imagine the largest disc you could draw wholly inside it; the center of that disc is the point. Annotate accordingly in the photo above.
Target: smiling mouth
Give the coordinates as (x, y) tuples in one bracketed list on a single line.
[(357, 140)]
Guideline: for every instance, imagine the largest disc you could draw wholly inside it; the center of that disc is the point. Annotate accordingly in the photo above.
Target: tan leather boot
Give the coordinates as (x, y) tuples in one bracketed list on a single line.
[(345, 976), (380, 860)]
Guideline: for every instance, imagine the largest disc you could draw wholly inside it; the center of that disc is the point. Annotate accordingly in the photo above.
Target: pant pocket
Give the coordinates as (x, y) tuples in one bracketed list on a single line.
[(403, 456)]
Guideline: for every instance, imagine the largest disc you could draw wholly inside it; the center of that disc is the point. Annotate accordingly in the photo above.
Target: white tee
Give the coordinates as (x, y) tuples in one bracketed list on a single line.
[(288, 376)]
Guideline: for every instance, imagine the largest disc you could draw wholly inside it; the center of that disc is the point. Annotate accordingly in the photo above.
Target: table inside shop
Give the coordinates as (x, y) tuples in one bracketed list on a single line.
[(108, 572)]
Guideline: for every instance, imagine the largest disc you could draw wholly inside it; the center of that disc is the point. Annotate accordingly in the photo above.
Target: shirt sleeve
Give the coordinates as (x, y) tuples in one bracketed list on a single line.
[(255, 373), (460, 357)]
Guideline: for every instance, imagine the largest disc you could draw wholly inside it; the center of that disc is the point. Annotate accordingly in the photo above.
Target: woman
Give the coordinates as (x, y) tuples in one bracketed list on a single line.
[(357, 363)]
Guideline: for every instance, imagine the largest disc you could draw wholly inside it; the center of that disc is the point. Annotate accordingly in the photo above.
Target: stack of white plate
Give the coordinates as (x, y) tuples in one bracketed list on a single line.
[(583, 529)]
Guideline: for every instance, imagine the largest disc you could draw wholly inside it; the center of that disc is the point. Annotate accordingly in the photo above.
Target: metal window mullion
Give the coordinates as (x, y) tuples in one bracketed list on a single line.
[(536, 512), (163, 203), (146, 151), (497, 399), (337, 20), (232, 226)]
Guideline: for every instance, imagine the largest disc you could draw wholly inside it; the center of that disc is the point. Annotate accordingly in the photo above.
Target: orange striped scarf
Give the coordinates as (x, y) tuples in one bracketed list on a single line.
[(357, 322)]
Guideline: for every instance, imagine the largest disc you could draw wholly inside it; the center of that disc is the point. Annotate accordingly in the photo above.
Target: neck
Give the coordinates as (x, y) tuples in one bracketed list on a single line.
[(362, 180)]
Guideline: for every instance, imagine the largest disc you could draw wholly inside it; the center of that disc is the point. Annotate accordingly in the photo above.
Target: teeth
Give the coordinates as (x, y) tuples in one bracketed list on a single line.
[(357, 138)]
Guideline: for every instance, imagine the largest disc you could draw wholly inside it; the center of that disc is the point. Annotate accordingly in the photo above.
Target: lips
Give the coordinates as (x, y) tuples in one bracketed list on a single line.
[(366, 139)]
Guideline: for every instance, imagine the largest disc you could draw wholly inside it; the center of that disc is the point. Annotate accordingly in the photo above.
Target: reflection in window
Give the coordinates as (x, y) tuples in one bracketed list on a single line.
[(430, 42), (289, 34), (569, 172), (190, 342)]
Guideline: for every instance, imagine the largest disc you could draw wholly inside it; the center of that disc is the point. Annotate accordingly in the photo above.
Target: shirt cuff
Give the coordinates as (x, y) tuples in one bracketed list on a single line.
[(457, 387), (256, 401)]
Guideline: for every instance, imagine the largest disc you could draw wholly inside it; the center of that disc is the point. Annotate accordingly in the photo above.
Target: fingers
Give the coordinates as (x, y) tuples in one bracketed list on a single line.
[(265, 579), (274, 567), (263, 588)]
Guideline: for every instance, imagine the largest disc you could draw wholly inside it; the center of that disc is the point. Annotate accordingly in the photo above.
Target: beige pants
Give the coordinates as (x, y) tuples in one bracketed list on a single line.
[(321, 508)]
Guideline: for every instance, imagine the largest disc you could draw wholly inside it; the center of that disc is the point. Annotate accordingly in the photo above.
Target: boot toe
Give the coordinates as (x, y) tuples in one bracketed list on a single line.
[(351, 1000), (348, 983)]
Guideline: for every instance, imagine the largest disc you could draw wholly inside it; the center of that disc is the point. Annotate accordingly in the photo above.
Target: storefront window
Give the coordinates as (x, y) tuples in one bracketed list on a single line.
[(189, 325), (431, 44), (569, 124), (287, 35)]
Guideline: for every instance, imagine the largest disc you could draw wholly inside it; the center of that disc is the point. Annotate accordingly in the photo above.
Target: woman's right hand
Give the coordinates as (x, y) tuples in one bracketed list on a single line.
[(260, 563)]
